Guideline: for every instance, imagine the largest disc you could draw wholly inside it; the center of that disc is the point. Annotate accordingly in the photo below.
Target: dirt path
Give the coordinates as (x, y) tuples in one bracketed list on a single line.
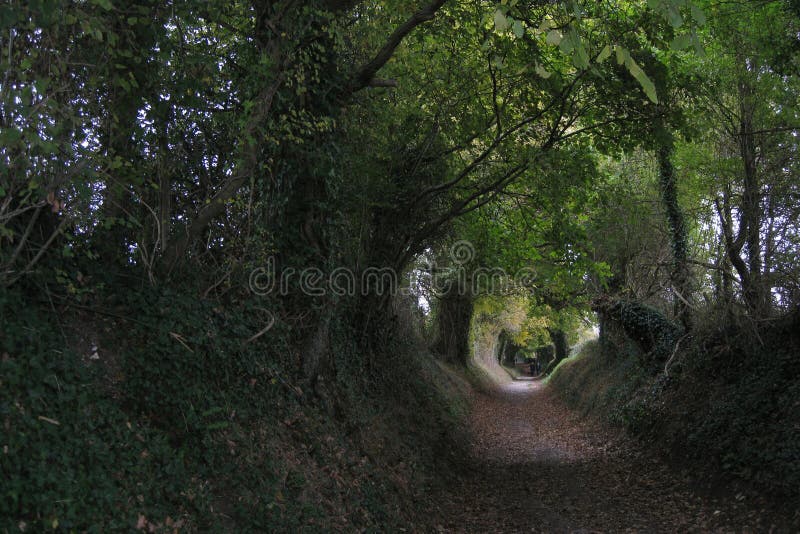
[(536, 467)]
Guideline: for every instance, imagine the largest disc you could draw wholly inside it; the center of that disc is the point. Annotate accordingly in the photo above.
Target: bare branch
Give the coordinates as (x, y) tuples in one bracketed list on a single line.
[(383, 82)]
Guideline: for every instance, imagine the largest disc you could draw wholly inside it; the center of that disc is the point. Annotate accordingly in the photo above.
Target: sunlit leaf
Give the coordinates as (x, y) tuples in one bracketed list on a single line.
[(541, 71), (646, 83), (622, 54), (604, 54), (554, 37), (501, 23), (518, 29)]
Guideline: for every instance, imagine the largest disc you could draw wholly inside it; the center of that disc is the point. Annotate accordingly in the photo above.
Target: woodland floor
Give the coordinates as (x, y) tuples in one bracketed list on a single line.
[(536, 466)]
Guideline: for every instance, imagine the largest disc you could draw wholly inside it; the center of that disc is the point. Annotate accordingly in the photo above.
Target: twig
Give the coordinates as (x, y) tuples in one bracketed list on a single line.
[(674, 352), (152, 257), (180, 339), (262, 331), (217, 283), (678, 294), (24, 238), (38, 254), (101, 312)]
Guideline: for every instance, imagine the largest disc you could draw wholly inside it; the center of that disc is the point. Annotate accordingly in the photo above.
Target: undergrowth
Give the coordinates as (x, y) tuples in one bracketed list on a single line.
[(729, 404), (174, 422)]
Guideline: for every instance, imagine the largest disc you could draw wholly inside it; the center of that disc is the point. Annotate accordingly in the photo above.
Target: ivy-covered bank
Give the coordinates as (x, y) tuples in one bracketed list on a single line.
[(726, 407), (165, 419)]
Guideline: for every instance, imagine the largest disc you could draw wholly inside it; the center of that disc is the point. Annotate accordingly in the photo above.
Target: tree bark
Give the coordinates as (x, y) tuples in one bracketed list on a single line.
[(561, 346)]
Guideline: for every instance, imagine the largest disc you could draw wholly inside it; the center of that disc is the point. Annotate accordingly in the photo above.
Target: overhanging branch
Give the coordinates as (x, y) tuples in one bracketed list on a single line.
[(365, 75)]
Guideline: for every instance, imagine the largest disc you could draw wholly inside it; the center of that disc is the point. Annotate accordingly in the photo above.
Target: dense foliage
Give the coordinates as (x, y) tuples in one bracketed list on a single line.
[(191, 194)]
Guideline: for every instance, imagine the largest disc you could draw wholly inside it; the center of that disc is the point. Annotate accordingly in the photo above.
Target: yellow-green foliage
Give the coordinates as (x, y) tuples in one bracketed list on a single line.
[(514, 314)]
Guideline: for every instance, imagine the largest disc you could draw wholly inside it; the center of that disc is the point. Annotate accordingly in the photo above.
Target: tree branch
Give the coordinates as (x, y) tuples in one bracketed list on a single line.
[(367, 72), (382, 82), (246, 168)]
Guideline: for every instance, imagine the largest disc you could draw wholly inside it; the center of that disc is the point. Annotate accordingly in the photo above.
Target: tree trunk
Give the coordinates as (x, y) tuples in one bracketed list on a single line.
[(679, 275), (454, 318), (561, 345), (750, 222)]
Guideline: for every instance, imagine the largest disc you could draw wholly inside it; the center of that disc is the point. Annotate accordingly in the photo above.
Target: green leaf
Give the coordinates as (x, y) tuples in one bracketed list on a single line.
[(697, 14), (622, 54), (681, 42), (546, 24), (647, 84), (581, 58), (541, 71), (604, 54), (554, 37), (568, 43), (8, 16), (674, 17), (518, 29), (501, 23), (105, 4), (698, 46)]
